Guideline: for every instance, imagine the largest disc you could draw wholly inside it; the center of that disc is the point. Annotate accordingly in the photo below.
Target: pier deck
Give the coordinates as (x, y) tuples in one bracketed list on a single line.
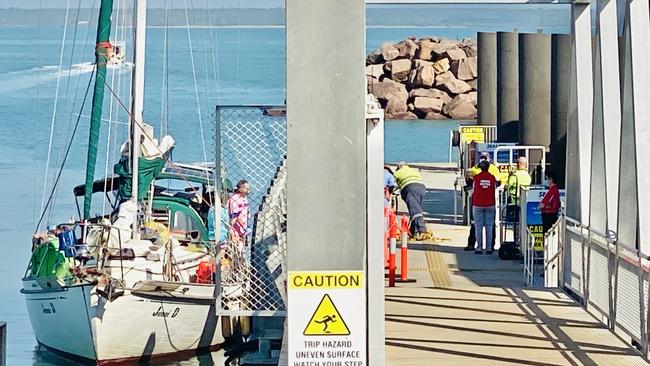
[(467, 309)]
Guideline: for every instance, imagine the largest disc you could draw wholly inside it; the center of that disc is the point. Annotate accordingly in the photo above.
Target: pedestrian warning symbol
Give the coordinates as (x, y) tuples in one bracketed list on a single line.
[(326, 321)]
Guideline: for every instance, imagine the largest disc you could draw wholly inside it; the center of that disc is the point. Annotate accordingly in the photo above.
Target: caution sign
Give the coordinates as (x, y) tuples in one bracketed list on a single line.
[(472, 133), (327, 318)]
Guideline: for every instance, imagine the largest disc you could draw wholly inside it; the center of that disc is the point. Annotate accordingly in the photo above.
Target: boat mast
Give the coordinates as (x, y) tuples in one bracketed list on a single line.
[(138, 99), (102, 48)]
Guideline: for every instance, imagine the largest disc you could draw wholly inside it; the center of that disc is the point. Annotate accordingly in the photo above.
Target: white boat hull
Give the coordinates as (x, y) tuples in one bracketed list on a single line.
[(80, 323)]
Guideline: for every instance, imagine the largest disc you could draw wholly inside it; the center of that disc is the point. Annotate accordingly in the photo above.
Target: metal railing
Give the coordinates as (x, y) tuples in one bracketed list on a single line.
[(609, 278)]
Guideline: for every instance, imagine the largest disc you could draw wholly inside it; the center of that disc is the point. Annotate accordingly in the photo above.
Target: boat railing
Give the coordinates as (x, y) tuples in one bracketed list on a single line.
[(81, 246)]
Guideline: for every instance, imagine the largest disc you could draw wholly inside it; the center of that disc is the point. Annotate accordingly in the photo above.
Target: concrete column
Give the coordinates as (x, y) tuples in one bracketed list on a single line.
[(598, 198), (628, 202), (560, 85), (535, 89), (579, 124), (507, 86), (487, 78), (326, 149), (375, 254), (639, 13), (326, 134), (535, 96)]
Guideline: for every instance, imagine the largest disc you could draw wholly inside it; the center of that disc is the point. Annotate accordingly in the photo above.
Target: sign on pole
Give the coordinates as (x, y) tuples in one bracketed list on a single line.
[(473, 133), (327, 318), (533, 215)]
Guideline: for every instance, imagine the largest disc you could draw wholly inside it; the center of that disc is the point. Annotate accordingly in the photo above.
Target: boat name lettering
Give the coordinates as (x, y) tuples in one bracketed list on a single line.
[(164, 314)]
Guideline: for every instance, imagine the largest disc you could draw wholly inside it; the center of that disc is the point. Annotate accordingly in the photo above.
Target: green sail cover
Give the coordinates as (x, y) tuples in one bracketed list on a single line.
[(101, 50), (48, 262), (148, 170)]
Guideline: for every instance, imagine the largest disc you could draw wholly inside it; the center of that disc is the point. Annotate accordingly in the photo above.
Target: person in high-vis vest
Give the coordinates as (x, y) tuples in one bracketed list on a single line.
[(519, 178), (492, 170), (412, 190)]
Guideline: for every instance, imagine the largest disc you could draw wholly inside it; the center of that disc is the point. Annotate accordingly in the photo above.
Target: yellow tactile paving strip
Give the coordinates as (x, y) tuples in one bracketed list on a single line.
[(438, 269)]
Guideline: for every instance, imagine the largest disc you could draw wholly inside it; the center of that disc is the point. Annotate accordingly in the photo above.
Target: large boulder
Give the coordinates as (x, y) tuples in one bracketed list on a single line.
[(440, 50), (394, 106), (374, 57), (434, 116), (473, 98), (407, 48), (473, 65), (444, 77), (403, 115), (424, 105), (441, 66), (424, 77), (455, 87), (419, 63), (389, 52), (455, 54), (470, 51), (388, 89), (430, 39), (430, 93), (376, 71), (369, 81), (465, 69), (398, 70), (460, 108), (426, 49)]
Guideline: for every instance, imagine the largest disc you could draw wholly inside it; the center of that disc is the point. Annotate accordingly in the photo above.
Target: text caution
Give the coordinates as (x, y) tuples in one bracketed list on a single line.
[(327, 318)]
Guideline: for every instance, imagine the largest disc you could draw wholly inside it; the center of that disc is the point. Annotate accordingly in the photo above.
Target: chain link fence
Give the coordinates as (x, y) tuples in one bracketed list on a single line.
[(251, 144)]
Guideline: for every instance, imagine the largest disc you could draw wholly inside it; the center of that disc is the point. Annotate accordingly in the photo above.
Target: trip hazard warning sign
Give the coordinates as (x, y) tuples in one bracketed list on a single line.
[(327, 318)]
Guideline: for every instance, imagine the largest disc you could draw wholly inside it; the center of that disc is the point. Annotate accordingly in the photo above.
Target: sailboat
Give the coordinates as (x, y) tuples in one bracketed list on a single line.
[(138, 282)]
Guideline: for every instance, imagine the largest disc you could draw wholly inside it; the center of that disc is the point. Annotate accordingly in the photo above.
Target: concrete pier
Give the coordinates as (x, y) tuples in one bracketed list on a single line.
[(507, 86), (467, 310), (560, 86), (487, 79)]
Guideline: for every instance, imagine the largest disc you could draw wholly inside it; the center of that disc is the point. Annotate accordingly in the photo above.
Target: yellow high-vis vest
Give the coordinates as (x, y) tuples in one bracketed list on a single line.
[(407, 175)]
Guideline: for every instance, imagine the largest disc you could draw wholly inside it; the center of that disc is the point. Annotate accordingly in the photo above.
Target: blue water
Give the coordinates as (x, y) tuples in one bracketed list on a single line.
[(249, 69)]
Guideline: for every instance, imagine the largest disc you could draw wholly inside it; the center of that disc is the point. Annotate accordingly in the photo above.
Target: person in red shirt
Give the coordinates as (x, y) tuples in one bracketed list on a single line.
[(550, 205), (484, 211)]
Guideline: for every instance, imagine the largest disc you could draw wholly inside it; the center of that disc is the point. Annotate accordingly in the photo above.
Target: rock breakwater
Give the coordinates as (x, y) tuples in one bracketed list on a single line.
[(426, 78)]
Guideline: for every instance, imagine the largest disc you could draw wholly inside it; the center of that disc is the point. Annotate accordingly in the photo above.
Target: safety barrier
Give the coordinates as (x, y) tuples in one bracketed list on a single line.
[(392, 245), (609, 278), (393, 231)]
